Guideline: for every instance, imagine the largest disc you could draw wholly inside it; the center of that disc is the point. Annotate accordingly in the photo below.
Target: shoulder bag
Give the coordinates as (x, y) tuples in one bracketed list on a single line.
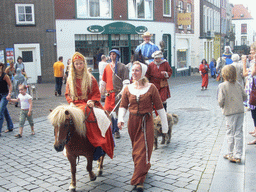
[(252, 100)]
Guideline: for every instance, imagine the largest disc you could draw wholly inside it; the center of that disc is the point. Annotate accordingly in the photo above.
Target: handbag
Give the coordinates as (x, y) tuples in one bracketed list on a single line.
[(252, 99), (163, 83)]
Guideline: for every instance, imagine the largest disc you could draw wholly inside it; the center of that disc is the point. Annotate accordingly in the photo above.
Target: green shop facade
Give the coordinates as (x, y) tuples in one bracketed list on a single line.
[(93, 40)]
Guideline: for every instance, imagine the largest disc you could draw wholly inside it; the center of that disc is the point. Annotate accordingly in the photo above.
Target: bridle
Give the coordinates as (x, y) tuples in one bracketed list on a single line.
[(67, 126)]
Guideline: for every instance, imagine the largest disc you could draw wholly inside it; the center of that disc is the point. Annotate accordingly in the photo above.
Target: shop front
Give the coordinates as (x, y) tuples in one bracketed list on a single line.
[(95, 40)]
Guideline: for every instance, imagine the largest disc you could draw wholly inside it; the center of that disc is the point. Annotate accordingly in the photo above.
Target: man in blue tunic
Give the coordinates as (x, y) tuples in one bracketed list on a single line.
[(147, 47)]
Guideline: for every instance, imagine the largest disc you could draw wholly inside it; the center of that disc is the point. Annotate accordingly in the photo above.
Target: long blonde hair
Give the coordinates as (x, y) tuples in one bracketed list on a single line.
[(86, 78)]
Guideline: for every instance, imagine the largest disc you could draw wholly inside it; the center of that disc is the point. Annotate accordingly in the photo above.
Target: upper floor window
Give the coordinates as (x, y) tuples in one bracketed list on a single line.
[(93, 8), (244, 28), (181, 7), (189, 10), (140, 9), (25, 14), (167, 8)]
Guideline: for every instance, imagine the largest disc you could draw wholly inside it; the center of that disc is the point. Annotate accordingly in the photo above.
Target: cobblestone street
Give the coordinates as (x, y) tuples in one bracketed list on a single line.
[(188, 163)]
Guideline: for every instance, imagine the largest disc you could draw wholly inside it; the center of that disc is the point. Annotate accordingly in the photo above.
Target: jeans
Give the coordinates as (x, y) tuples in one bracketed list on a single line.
[(4, 113), (58, 84)]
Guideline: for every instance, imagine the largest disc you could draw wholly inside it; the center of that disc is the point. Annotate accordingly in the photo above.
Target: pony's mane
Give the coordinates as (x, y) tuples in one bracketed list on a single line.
[(57, 117)]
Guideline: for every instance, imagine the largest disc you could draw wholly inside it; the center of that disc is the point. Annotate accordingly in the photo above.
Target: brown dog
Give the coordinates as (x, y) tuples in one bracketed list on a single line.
[(172, 120)]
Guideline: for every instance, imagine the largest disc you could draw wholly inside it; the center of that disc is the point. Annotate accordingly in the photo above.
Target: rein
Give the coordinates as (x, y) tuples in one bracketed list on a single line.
[(68, 138), (86, 116)]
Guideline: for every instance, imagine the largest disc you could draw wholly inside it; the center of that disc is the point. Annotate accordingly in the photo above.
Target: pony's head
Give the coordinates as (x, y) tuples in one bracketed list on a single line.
[(66, 119)]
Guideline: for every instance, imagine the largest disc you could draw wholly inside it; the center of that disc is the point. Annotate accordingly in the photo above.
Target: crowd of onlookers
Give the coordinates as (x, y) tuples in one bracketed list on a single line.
[(235, 92)]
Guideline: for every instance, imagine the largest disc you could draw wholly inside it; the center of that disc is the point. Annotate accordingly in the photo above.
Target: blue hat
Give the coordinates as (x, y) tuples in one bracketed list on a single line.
[(115, 51), (118, 55)]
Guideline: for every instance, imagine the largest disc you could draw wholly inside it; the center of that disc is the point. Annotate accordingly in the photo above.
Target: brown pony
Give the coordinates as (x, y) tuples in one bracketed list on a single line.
[(70, 132)]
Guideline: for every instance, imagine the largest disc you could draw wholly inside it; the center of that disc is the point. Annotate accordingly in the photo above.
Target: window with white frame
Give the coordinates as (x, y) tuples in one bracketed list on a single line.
[(189, 10), (140, 9), (93, 9), (25, 14), (167, 8), (181, 10)]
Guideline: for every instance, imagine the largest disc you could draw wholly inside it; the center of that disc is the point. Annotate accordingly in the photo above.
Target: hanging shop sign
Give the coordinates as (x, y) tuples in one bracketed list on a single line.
[(184, 19)]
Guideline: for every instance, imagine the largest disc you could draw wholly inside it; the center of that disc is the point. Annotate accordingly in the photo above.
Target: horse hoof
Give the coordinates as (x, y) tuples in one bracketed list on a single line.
[(93, 179), (72, 188), (100, 173)]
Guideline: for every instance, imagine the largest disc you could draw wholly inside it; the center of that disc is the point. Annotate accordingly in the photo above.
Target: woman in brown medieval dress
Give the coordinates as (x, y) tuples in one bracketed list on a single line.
[(139, 97)]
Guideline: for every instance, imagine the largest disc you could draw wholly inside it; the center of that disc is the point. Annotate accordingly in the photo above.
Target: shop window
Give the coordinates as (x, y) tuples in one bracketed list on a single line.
[(93, 8), (140, 9), (182, 58), (167, 8), (24, 14)]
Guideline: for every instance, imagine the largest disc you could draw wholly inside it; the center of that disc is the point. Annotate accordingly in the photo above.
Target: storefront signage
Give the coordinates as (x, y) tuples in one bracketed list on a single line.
[(141, 29), (95, 29), (184, 19), (119, 28)]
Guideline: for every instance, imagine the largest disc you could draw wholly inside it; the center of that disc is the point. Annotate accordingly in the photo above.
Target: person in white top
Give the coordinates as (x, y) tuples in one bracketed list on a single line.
[(102, 64), (26, 109)]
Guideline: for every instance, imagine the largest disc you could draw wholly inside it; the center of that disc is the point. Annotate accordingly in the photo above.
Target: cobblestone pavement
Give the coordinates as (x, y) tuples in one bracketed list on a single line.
[(186, 164)]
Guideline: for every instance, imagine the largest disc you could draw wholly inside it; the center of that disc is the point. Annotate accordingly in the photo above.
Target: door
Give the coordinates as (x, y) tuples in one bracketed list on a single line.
[(30, 54)]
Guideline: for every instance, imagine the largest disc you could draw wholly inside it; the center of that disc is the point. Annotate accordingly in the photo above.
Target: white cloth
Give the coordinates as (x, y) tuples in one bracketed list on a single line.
[(138, 92), (234, 125), (121, 113), (163, 117), (24, 100), (102, 66), (102, 120)]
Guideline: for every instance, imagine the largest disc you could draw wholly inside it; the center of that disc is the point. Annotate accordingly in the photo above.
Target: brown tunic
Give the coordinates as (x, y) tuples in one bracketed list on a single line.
[(142, 149)]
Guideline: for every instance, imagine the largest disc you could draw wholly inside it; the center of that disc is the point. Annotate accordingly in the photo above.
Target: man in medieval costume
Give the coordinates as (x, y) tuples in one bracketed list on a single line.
[(115, 77), (147, 48)]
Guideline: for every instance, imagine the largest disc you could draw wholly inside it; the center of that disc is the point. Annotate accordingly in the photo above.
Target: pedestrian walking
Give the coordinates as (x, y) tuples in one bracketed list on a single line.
[(159, 71), (203, 70), (82, 90), (147, 48), (19, 64), (58, 68), (66, 72), (115, 78), (26, 110), (5, 95), (230, 98), (213, 68), (10, 71), (139, 97), (18, 79), (250, 73), (239, 69), (102, 64)]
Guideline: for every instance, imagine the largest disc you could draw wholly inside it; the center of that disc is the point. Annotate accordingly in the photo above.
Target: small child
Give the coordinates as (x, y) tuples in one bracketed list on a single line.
[(230, 98), (26, 109)]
